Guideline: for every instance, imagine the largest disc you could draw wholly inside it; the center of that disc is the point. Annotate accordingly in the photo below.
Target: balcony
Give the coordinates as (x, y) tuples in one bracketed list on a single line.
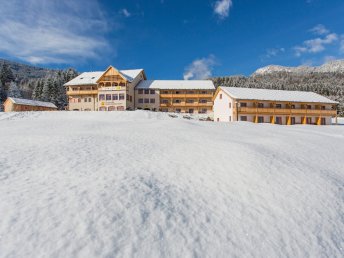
[(185, 104), (283, 111), (183, 96), (82, 92)]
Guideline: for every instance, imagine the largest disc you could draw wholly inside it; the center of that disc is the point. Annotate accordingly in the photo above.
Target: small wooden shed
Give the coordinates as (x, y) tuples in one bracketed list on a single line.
[(21, 105)]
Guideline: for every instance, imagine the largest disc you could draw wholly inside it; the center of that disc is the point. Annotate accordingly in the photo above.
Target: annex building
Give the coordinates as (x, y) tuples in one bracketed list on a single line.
[(272, 106), (119, 90), (20, 105)]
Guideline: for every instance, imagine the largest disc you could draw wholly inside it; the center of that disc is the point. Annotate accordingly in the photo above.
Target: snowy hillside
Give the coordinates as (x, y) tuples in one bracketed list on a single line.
[(336, 66), (140, 184)]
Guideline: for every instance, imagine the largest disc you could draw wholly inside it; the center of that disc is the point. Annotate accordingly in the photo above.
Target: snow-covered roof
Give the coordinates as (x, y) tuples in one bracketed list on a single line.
[(91, 78), (29, 102), (130, 75), (177, 85), (275, 95)]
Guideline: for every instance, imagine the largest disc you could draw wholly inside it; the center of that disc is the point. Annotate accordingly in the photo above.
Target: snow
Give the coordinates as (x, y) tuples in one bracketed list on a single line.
[(91, 78), (276, 95), (141, 184), (334, 66), (177, 84)]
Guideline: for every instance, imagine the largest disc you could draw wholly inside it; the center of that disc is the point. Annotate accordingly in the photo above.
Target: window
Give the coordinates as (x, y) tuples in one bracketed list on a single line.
[(260, 105), (323, 121), (140, 101), (260, 119), (230, 104), (309, 107), (243, 104), (146, 91), (79, 100), (85, 100), (190, 92), (152, 92), (101, 97), (278, 105), (203, 101), (220, 96), (121, 96), (165, 92), (146, 101), (114, 96), (191, 111), (190, 101), (164, 101), (293, 120), (131, 98), (218, 119), (279, 120), (177, 92), (108, 97), (292, 106), (323, 107), (127, 97), (309, 120), (164, 110), (89, 100), (230, 118), (203, 92), (140, 91), (177, 101), (152, 101), (243, 118), (178, 110)]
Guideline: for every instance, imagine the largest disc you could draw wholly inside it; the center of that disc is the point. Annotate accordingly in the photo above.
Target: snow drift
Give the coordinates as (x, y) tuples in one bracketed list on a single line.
[(140, 184)]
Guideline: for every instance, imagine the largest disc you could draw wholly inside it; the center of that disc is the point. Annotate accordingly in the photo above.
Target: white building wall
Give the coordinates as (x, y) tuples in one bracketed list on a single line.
[(222, 110)]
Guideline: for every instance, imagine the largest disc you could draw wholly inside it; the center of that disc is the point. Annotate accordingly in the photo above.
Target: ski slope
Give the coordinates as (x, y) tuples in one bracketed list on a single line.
[(141, 184)]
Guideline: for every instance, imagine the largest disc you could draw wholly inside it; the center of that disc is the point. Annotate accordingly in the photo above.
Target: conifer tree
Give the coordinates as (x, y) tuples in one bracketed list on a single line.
[(6, 74), (13, 91)]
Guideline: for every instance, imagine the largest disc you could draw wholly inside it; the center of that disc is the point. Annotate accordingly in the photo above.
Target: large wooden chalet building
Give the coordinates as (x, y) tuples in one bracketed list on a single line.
[(119, 90)]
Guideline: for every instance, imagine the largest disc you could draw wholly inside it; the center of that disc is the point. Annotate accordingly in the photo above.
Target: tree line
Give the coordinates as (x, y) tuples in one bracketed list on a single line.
[(49, 89)]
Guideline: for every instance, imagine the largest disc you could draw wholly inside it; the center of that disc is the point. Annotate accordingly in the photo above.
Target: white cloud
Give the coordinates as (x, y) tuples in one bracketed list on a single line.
[(341, 47), (272, 52), (200, 69), (39, 31), (125, 12), (222, 7), (315, 45), (320, 30)]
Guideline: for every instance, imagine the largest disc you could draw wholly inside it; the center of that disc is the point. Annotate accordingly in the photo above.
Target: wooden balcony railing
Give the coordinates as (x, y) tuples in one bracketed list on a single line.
[(185, 104), (183, 96), (283, 111), (82, 92)]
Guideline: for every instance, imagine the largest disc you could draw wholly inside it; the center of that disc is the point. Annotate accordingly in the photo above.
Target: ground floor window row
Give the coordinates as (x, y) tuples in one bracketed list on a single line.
[(190, 110), (284, 120)]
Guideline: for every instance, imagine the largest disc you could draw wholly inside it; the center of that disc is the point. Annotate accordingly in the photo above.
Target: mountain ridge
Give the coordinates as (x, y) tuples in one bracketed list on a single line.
[(335, 66)]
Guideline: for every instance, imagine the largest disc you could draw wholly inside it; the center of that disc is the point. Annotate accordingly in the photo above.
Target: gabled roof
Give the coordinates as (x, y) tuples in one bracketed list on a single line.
[(29, 102), (176, 85), (91, 78), (275, 95)]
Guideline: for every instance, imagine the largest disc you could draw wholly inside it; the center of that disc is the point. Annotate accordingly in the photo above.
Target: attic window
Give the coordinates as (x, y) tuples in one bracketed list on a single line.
[(93, 78), (81, 78)]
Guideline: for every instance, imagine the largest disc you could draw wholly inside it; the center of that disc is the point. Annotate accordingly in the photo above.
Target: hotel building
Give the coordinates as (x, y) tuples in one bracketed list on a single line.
[(119, 90), (272, 106)]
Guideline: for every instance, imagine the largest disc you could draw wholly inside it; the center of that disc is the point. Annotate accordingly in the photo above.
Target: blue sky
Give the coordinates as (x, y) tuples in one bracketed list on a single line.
[(172, 39)]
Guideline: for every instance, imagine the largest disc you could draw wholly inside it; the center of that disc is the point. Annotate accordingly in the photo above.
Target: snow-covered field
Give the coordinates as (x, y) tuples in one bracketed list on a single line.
[(140, 184)]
